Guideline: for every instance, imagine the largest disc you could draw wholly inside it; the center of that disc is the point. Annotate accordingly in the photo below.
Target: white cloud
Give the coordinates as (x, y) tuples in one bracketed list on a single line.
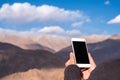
[(7, 31), (116, 20), (47, 30), (25, 13), (77, 24), (80, 23), (51, 29), (107, 2), (73, 33), (58, 31)]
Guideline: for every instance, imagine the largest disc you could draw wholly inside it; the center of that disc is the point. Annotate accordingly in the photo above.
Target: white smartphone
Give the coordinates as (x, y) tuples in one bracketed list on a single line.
[(80, 52)]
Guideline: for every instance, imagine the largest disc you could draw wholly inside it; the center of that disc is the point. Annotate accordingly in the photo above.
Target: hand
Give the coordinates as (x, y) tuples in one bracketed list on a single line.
[(85, 72)]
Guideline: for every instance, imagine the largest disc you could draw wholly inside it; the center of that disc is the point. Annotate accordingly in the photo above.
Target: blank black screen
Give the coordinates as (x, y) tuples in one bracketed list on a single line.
[(80, 51)]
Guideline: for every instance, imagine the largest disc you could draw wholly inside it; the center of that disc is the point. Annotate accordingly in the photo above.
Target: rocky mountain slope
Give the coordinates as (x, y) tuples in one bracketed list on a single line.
[(14, 59), (37, 74)]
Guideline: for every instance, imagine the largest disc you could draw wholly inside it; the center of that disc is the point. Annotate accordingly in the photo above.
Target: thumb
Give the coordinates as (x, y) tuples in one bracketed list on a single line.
[(72, 59)]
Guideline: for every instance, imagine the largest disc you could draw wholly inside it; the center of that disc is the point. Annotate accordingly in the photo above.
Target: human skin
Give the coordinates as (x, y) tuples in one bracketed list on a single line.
[(86, 71)]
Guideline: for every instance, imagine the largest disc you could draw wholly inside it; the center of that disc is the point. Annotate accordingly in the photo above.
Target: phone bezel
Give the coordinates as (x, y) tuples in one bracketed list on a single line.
[(81, 65)]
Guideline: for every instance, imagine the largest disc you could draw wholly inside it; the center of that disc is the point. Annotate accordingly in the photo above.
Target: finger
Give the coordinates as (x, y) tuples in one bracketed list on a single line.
[(72, 60), (67, 63), (93, 65), (86, 74)]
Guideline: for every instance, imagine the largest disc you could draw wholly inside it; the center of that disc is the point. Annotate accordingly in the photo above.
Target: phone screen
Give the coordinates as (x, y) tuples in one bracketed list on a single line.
[(80, 51)]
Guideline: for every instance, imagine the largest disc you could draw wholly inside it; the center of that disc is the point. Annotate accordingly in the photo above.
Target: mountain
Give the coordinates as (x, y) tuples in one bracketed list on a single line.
[(115, 37), (95, 38), (37, 74), (49, 43), (58, 43), (102, 51), (23, 42), (7, 46), (105, 51), (45, 42), (55, 43), (22, 57), (14, 59)]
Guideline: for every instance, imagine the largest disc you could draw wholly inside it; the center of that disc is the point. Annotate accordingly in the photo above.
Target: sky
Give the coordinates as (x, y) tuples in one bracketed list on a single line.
[(66, 18)]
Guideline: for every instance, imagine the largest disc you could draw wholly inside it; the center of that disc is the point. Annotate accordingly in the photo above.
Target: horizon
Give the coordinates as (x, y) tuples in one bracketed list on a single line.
[(60, 18)]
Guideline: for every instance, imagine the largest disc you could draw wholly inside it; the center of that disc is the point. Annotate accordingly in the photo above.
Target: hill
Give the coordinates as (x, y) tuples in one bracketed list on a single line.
[(19, 60), (37, 74), (7, 46)]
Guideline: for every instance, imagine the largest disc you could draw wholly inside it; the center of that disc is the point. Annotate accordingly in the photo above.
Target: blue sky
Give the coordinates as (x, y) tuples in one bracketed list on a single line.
[(68, 18)]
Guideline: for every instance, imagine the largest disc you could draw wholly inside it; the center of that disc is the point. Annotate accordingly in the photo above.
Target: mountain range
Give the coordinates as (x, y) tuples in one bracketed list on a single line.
[(96, 44), (14, 59), (21, 55), (49, 43), (101, 51)]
